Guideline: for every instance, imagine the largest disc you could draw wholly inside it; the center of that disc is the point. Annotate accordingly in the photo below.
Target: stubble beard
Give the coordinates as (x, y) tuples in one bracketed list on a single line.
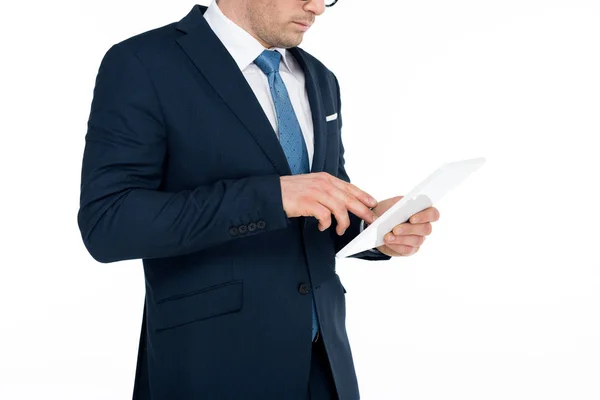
[(271, 35)]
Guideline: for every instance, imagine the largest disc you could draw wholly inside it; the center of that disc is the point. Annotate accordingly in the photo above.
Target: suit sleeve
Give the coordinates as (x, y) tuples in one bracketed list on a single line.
[(355, 222), (123, 212)]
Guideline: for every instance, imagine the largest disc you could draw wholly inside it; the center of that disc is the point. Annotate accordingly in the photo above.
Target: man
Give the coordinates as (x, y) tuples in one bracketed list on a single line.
[(214, 154)]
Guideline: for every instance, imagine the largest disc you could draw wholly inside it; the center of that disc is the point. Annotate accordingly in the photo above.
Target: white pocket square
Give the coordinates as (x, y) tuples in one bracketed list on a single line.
[(331, 117)]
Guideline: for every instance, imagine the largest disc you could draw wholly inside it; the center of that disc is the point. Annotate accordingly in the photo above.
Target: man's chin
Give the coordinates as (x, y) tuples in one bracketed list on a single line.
[(292, 42)]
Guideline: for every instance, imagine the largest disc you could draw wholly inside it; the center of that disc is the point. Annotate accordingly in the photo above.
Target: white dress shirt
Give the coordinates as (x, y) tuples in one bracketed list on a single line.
[(244, 49)]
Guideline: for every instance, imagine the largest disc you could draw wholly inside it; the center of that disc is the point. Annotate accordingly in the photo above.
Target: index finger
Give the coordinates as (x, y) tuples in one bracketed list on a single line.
[(358, 201), (430, 214)]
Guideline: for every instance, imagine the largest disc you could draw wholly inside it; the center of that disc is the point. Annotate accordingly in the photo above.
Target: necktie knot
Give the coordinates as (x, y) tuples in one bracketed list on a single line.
[(268, 61)]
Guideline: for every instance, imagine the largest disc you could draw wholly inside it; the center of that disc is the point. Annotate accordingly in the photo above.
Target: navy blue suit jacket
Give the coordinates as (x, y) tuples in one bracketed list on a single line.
[(182, 169)]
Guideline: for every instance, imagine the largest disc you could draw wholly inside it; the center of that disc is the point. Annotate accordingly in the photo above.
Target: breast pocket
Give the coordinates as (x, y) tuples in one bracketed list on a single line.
[(332, 123), (199, 305)]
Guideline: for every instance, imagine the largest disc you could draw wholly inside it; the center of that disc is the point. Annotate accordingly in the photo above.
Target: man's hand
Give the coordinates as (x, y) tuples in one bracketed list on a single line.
[(406, 239), (320, 194)]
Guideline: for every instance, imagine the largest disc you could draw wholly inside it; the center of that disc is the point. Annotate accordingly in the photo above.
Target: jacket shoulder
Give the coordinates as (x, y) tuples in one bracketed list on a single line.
[(154, 41)]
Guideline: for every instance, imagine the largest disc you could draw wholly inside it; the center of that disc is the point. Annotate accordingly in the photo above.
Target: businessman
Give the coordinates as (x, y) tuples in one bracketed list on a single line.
[(214, 154)]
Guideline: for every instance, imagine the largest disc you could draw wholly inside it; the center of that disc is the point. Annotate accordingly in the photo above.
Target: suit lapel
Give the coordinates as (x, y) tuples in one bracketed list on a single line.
[(316, 108), (214, 61)]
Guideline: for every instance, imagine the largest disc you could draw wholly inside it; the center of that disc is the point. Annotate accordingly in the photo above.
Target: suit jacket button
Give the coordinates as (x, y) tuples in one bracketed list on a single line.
[(234, 231), (261, 224), (251, 226), (304, 288), (243, 229)]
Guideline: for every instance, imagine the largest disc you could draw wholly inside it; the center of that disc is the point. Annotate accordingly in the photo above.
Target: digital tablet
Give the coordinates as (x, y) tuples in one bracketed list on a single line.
[(423, 196)]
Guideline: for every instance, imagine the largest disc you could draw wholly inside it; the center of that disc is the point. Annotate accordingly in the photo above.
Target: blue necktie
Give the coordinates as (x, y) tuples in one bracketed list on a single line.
[(290, 134)]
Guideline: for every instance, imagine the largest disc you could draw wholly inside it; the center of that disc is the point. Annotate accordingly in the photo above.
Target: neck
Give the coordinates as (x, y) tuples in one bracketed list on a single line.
[(236, 11)]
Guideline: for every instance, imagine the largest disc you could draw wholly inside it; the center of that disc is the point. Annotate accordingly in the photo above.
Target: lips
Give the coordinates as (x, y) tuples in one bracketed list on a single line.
[(303, 25)]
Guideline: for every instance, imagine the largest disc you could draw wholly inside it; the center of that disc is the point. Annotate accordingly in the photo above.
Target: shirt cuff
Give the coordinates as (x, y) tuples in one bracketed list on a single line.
[(363, 226)]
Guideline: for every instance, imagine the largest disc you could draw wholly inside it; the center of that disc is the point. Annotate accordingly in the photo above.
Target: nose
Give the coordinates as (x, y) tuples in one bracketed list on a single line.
[(316, 7)]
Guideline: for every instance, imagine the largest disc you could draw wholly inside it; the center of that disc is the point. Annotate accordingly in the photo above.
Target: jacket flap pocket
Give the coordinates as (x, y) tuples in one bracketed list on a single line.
[(202, 304)]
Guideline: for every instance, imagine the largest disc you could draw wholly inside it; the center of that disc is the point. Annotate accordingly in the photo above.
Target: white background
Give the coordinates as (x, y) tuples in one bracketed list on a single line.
[(502, 301)]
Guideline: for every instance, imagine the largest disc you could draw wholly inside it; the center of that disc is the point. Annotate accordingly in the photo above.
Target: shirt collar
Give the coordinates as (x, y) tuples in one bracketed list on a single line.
[(242, 46)]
